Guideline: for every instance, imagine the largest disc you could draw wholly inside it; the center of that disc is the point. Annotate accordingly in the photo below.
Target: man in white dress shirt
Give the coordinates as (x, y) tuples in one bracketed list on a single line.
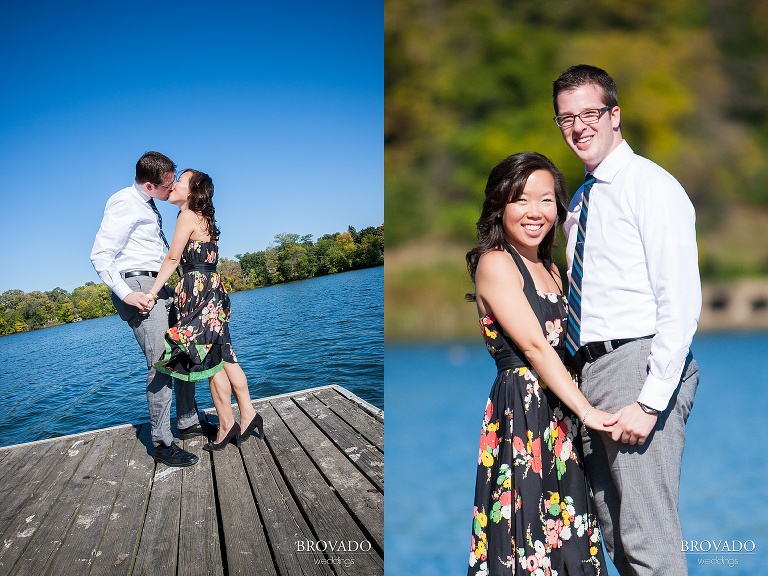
[(127, 253), (640, 304)]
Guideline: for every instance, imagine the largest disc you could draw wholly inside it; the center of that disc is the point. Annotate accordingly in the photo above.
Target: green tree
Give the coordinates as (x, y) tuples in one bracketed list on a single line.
[(92, 301), (370, 248), (323, 244), (272, 265), (6, 326), (232, 276), (10, 299), (58, 295), (254, 266), (65, 312), (37, 309), (292, 256)]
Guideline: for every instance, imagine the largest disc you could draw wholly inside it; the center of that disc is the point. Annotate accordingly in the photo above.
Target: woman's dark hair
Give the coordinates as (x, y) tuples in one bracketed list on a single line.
[(505, 184), (201, 200)]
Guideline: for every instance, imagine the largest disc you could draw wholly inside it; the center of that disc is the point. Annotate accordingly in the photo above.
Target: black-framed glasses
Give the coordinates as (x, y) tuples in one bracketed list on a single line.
[(166, 186), (587, 116)]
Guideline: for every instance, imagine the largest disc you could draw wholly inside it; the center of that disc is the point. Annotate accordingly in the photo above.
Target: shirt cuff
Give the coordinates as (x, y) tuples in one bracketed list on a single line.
[(121, 290), (656, 392)]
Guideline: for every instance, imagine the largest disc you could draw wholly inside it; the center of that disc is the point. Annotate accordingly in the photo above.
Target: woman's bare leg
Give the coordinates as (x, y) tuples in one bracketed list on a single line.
[(239, 384), (221, 392)]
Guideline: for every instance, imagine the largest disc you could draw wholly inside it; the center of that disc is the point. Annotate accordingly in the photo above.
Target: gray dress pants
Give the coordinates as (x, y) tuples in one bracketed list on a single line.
[(150, 334), (636, 487)]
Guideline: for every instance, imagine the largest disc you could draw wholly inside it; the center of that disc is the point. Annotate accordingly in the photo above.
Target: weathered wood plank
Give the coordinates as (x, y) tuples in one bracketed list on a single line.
[(25, 508), (115, 553), (47, 539), (361, 497), (370, 427), (15, 493), (287, 531), (158, 547), (247, 551), (199, 546), (79, 545), (366, 457), (329, 520), (17, 462)]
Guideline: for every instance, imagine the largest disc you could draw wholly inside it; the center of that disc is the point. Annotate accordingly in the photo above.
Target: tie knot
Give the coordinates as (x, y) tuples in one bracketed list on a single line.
[(589, 179)]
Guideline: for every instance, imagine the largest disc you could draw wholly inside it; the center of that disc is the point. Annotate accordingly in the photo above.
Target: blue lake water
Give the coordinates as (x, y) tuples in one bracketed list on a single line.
[(435, 398), (90, 375)]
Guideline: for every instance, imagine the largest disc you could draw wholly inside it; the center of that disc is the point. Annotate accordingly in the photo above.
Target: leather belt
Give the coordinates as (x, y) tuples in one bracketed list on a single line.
[(594, 350), (133, 273)]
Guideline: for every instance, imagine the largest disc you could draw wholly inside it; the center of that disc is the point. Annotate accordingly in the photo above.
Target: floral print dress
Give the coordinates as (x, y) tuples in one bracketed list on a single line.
[(533, 509), (198, 344)]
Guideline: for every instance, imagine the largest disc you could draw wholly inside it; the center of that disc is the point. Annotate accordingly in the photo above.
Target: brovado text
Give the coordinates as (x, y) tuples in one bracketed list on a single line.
[(333, 546), (738, 546)]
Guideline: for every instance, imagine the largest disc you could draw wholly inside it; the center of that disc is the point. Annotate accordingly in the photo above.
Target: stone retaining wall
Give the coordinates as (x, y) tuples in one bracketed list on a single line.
[(742, 304)]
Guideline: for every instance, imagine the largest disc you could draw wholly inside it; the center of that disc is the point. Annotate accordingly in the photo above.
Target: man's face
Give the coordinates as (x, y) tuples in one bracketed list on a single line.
[(590, 142), (162, 190)]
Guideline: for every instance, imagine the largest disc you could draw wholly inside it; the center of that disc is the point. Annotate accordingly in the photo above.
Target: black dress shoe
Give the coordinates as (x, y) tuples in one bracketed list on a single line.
[(257, 422), (202, 428), (173, 455), (232, 436)]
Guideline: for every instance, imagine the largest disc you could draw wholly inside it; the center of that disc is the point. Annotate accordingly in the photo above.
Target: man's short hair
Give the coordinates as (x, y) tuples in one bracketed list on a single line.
[(582, 75), (151, 167)]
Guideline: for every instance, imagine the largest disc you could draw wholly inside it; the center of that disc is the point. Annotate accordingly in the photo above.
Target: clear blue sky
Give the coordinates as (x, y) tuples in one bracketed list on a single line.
[(281, 103)]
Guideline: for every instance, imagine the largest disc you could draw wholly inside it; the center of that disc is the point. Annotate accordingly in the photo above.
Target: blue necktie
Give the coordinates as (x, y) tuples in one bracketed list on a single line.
[(159, 220), (572, 336)]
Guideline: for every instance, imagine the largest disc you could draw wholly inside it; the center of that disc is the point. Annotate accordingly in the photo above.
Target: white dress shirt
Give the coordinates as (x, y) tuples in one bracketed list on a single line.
[(128, 239), (641, 274)]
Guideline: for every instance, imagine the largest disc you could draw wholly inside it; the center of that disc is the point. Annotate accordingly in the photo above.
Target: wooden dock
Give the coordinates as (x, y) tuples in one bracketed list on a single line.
[(309, 499)]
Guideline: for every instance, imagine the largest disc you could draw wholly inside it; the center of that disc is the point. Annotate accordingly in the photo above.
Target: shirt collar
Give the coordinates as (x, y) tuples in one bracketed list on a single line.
[(142, 194), (607, 169)]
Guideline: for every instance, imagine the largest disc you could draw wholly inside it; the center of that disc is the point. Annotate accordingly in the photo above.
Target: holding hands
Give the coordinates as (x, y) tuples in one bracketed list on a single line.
[(596, 419), (631, 425), (141, 301)]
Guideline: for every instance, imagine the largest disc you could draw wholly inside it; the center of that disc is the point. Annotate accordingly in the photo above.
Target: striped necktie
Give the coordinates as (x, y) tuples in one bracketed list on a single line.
[(572, 336), (151, 202)]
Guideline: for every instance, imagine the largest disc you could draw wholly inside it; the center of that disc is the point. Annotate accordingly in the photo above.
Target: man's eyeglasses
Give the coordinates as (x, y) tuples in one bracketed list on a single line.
[(167, 187), (587, 116)]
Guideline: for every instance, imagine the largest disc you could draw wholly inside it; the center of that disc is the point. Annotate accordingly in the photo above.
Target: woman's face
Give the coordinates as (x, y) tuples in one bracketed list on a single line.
[(180, 190), (528, 219)]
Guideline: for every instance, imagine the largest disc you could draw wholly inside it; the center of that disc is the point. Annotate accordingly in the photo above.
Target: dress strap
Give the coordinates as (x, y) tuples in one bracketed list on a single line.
[(548, 265), (529, 288)]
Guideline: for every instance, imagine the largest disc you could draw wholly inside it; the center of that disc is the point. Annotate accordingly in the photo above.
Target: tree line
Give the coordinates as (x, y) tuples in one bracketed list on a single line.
[(291, 257)]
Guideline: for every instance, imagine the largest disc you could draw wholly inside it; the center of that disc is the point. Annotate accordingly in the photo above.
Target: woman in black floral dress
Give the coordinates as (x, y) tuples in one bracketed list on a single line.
[(533, 510), (198, 345)]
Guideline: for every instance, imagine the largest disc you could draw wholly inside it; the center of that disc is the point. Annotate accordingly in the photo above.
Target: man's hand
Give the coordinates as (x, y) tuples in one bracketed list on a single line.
[(140, 300), (631, 425)]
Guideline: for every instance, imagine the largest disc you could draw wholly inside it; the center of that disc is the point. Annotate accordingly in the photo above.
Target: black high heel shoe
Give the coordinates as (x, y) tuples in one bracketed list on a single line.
[(257, 422), (232, 436)]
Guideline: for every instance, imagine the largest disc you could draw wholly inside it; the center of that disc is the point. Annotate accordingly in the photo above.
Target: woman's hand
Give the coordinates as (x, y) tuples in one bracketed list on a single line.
[(596, 420)]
